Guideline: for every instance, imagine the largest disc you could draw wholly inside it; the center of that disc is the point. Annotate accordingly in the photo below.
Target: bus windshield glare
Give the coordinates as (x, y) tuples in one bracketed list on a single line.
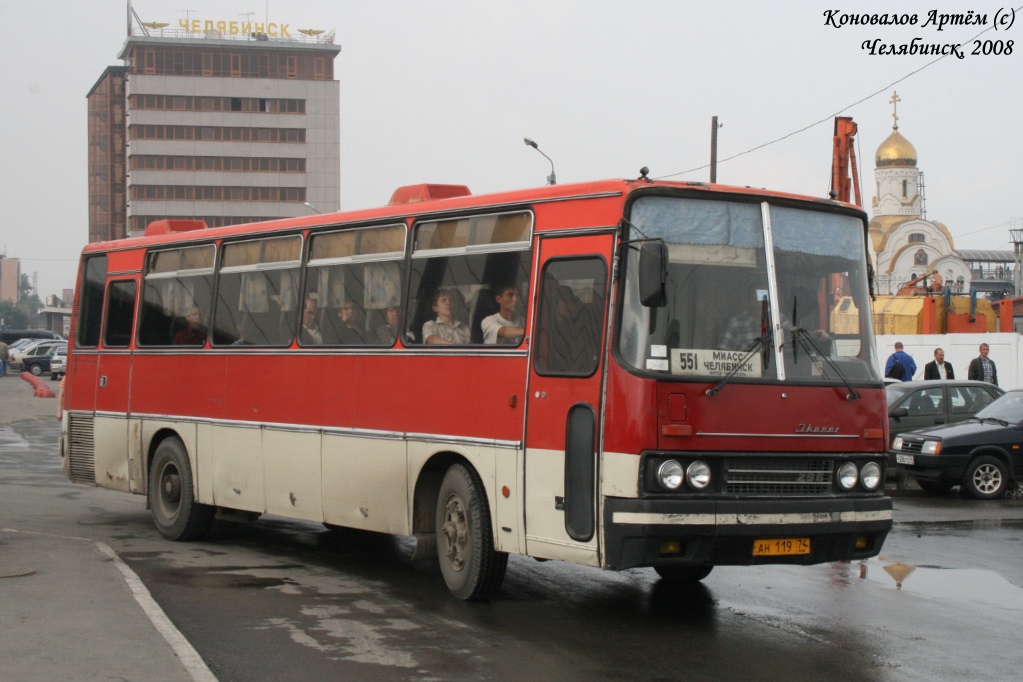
[(755, 292)]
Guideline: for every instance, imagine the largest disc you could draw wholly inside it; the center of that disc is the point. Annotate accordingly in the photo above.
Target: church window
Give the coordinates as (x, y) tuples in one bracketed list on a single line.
[(920, 257), (917, 237), (904, 188)]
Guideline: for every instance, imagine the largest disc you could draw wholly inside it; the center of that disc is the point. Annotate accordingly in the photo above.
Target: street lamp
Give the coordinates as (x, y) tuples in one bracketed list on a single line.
[(313, 208), (551, 180)]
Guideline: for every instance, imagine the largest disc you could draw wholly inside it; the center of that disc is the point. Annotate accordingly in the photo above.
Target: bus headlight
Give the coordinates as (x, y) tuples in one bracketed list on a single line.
[(699, 475), (870, 475), (931, 447), (670, 475), (847, 476), (897, 443)]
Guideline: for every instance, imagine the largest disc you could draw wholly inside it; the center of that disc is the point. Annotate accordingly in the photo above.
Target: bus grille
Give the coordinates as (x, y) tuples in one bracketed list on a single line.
[(81, 449), (761, 476)]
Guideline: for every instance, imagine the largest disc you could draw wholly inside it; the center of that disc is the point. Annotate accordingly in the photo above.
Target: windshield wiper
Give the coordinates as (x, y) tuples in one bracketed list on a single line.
[(984, 420), (801, 336), (759, 343)]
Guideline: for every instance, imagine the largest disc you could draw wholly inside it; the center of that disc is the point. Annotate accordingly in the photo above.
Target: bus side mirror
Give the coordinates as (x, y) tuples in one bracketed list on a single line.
[(653, 263)]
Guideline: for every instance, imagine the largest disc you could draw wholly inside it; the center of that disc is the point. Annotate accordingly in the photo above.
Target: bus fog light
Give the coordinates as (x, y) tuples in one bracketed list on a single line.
[(670, 475), (870, 475), (847, 476), (698, 474)]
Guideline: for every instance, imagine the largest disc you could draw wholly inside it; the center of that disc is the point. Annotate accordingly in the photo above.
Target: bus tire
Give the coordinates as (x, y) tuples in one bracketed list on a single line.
[(472, 569), (683, 574), (175, 512)]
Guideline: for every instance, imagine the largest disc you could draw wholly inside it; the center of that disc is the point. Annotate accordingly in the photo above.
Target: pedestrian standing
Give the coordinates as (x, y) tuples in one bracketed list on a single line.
[(900, 364), (4, 350), (983, 368), (938, 368)]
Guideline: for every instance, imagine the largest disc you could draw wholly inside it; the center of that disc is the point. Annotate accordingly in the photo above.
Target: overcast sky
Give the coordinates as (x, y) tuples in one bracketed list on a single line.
[(444, 92)]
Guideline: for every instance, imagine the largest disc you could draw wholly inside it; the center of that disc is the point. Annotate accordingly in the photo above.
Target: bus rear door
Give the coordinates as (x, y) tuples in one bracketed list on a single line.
[(564, 408)]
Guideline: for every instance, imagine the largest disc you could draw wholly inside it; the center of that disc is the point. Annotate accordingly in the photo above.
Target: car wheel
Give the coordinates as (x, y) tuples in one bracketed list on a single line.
[(465, 545), (36, 370), (986, 478), (683, 574), (934, 486)]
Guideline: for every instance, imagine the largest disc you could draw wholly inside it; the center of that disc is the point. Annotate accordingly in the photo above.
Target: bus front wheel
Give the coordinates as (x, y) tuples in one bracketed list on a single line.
[(175, 512), (471, 567)]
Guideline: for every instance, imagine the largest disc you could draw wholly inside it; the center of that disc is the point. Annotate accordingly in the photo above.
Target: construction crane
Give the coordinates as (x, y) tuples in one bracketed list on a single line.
[(843, 162)]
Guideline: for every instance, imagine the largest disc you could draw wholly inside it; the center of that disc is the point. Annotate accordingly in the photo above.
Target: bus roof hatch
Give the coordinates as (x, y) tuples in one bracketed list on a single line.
[(411, 194), (171, 226)]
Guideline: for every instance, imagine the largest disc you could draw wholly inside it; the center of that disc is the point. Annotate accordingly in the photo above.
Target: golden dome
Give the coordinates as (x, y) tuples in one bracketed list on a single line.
[(895, 151)]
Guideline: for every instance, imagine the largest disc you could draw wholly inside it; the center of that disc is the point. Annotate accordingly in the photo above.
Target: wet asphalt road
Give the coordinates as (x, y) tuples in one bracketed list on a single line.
[(279, 600)]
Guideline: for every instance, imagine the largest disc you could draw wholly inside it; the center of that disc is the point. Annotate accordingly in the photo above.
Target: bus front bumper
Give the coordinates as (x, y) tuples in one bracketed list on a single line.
[(665, 532)]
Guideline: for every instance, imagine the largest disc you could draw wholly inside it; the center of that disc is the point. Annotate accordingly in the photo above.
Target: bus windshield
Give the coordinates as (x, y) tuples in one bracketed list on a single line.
[(755, 292)]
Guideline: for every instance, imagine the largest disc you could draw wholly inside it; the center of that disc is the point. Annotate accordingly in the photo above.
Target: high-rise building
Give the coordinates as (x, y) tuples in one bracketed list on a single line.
[(222, 121), (10, 279)]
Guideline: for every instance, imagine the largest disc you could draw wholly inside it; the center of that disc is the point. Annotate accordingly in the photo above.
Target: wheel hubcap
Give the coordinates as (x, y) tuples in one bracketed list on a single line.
[(987, 478), (170, 489), (456, 532)]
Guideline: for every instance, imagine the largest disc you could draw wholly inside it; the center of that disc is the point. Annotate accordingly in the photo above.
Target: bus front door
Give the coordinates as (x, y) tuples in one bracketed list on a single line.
[(563, 417)]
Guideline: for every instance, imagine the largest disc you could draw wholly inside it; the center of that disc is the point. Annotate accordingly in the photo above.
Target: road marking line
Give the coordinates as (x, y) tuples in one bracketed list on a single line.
[(188, 656)]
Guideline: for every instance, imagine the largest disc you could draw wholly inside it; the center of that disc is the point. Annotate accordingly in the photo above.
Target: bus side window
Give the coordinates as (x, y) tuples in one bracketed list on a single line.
[(257, 292), (354, 277), (178, 286), (120, 314), (90, 302), (571, 309), (459, 268)]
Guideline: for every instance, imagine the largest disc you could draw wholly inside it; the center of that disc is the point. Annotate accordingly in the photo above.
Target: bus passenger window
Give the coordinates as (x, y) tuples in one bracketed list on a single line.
[(355, 278), (571, 312), (257, 292), (176, 296), (469, 280)]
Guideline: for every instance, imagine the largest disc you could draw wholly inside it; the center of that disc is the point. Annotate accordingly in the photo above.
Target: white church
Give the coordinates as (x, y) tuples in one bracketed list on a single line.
[(907, 245)]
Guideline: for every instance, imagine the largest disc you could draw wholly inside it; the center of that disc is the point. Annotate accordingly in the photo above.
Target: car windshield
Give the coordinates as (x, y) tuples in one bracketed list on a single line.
[(1008, 408), (772, 292), (895, 391)]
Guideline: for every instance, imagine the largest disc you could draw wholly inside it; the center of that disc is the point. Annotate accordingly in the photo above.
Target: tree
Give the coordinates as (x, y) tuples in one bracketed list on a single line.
[(25, 313), (11, 315)]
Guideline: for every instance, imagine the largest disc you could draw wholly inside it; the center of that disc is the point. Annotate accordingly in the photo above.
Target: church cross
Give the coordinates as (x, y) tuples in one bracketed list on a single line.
[(895, 109)]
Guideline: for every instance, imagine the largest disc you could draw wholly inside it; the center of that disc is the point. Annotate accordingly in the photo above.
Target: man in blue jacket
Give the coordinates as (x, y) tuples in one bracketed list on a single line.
[(900, 364)]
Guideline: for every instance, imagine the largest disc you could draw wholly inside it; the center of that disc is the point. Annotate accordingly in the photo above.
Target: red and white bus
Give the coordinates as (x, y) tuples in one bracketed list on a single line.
[(683, 376)]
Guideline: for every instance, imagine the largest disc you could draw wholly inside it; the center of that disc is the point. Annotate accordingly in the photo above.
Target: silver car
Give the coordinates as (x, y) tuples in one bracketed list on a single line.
[(58, 363)]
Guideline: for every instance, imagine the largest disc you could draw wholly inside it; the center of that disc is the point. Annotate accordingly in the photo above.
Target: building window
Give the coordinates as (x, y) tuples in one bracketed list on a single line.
[(917, 238), (904, 188), (236, 65)]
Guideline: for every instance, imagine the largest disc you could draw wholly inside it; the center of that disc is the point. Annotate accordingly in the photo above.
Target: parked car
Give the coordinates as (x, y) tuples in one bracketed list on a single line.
[(983, 454), (35, 358), (39, 363), (17, 345), (919, 404), (58, 363)]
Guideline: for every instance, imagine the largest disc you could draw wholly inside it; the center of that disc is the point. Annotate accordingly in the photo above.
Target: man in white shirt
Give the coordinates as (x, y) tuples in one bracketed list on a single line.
[(938, 368), (506, 325)]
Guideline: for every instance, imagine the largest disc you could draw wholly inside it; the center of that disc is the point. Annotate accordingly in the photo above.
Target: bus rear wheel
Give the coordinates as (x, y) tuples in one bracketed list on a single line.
[(472, 569), (683, 574), (175, 512)]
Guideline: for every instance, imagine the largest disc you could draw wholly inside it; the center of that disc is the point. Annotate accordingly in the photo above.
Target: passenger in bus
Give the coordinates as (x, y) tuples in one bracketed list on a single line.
[(309, 334), (350, 331), (445, 329), (193, 334), (506, 326), (388, 332)]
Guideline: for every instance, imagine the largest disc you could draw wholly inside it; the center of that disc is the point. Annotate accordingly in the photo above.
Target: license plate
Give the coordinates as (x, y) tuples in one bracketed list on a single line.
[(904, 459), (781, 546)]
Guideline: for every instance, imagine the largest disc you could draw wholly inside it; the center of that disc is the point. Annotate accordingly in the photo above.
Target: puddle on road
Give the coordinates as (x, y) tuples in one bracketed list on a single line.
[(9, 438), (965, 585)]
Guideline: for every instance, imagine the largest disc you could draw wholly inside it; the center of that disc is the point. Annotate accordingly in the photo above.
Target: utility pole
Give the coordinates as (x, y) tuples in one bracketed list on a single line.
[(714, 148), (1016, 234)]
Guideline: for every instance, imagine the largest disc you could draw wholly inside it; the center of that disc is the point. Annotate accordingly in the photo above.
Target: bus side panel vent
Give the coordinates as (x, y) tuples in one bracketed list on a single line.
[(82, 453)]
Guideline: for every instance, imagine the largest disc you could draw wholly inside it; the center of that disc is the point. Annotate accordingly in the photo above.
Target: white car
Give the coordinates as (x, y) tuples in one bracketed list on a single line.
[(58, 363)]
